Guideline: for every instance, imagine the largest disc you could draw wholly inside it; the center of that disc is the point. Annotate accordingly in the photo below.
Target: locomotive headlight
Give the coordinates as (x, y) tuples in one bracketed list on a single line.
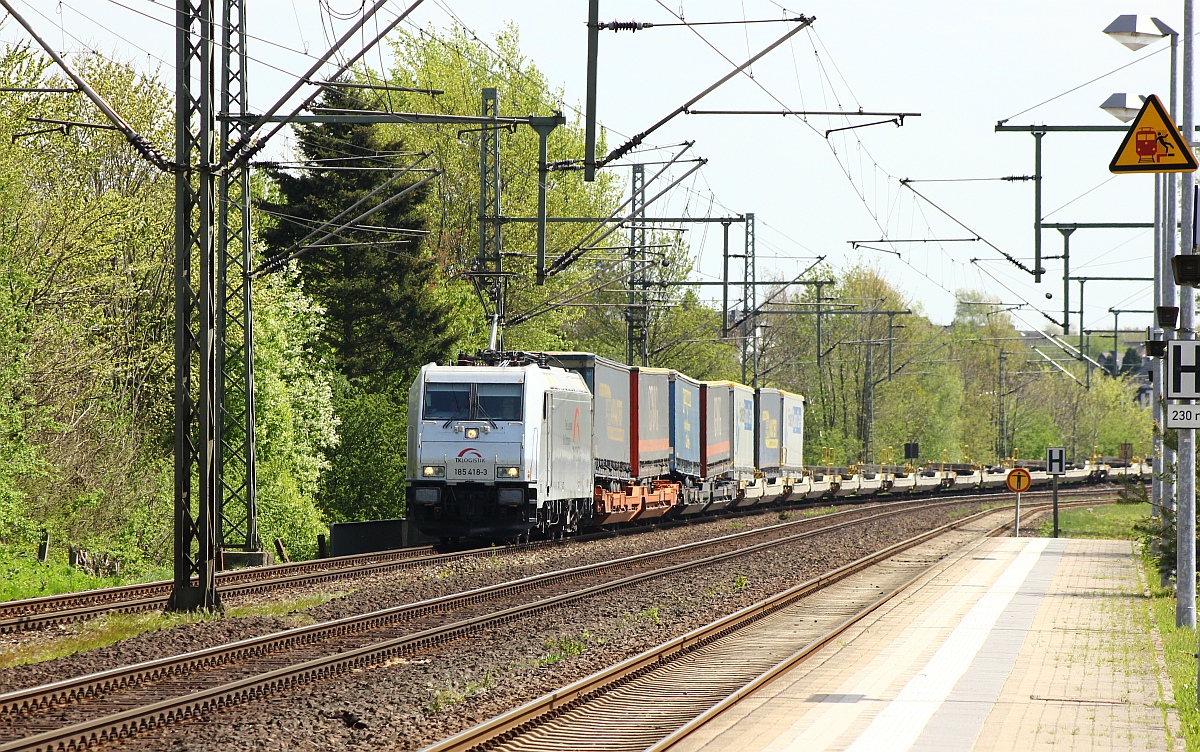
[(508, 472), (472, 433), (434, 471)]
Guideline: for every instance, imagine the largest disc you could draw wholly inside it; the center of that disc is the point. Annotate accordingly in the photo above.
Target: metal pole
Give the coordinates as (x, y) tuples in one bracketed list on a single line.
[(868, 412), (1002, 444), (1037, 207), (1017, 520), (1185, 579), (725, 282), (490, 251), (819, 342), (1115, 369), (1168, 286), (543, 132), (237, 499), (637, 313), (589, 124), (1066, 233), (1055, 506), (750, 304), (891, 341), (1156, 377), (1082, 351)]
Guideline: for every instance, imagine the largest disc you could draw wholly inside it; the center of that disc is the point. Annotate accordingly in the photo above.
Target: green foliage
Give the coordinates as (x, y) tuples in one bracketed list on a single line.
[(85, 384), (367, 469), (1178, 653), (651, 614), (1106, 522), (296, 424), (1159, 541), (560, 648), (541, 318), (98, 633), (447, 697), (382, 318), (26, 577), (974, 391)]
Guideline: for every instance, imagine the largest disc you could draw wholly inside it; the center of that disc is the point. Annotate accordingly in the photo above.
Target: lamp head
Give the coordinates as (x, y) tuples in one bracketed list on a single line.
[(1135, 32), (1123, 106)]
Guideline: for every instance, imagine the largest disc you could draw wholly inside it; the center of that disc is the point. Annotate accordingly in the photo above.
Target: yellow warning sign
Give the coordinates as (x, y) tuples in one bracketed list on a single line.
[(1018, 480), (1153, 144)]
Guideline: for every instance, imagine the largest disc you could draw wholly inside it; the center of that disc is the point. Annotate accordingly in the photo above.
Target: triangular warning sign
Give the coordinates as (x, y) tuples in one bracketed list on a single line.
[(1153, 144)]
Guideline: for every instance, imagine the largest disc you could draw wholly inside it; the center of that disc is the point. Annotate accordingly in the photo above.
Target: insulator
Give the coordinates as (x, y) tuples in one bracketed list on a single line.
[(626, 25)]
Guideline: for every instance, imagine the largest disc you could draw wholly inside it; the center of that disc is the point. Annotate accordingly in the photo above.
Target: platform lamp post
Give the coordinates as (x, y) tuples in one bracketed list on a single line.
[(1136, 32)]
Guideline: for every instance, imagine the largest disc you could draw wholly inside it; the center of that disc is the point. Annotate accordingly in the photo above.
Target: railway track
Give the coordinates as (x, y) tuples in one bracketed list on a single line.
[(695, 677), (125, 701), (35, 613), (38, 613)]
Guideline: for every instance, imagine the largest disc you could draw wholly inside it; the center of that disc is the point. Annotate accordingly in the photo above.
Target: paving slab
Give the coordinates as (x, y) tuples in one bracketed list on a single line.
[(1010, 644)]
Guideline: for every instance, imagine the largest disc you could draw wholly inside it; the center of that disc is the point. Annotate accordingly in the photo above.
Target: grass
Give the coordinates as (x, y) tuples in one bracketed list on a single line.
[(651, 614), (111, 628), (98, 633), (448, 697), (284, 607), (560, 648), (817, 511), (26, 577), (1179, 646), (1109, 521)]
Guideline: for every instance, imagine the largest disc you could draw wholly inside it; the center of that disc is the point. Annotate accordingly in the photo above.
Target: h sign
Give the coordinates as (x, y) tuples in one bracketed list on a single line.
[(1056, 461), (1183, 369)]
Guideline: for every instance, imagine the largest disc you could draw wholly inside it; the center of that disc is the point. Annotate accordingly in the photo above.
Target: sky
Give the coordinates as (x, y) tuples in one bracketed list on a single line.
[(962, 65)]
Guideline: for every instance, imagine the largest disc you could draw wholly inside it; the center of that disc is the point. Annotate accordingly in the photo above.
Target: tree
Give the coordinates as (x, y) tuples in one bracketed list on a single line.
[(460, 66), (383, 317)]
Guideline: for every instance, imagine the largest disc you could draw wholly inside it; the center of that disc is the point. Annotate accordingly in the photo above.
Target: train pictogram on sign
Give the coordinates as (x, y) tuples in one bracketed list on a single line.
[(1018, 480), (1153, 144)]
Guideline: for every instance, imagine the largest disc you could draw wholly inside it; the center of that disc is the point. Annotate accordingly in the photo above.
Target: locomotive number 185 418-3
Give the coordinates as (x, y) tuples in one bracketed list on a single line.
[(471, 472)]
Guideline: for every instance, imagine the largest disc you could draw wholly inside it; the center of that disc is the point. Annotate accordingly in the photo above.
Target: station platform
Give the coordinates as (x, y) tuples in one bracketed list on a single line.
[(1009, 644)]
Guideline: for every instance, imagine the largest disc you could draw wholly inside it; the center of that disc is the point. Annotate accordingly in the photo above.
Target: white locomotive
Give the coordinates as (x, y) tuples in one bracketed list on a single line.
[(495, 451)]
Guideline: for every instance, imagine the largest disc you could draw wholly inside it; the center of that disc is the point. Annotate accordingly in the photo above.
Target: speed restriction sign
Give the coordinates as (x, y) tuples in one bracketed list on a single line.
[(1018, 480)]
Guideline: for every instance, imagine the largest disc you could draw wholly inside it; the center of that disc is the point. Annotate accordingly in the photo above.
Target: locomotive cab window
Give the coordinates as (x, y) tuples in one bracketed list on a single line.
[(457, 401), (499, 402), (447, 401)]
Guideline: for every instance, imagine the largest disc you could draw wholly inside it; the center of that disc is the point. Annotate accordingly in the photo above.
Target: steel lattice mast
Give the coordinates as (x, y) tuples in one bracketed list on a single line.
[(749, 308), (196, 395), (637, 314), (490, 266), (237, 501)]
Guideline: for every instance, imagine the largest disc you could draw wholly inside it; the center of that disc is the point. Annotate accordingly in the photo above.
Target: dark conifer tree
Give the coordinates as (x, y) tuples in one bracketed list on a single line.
[(383, 321), (383, 318)]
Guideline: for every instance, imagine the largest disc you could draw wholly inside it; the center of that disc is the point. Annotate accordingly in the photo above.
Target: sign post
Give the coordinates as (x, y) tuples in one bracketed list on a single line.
[(1056, 465), (1018, 480)]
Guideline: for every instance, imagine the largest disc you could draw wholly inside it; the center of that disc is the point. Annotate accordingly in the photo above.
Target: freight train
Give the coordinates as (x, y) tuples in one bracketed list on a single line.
[(508, 445)]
